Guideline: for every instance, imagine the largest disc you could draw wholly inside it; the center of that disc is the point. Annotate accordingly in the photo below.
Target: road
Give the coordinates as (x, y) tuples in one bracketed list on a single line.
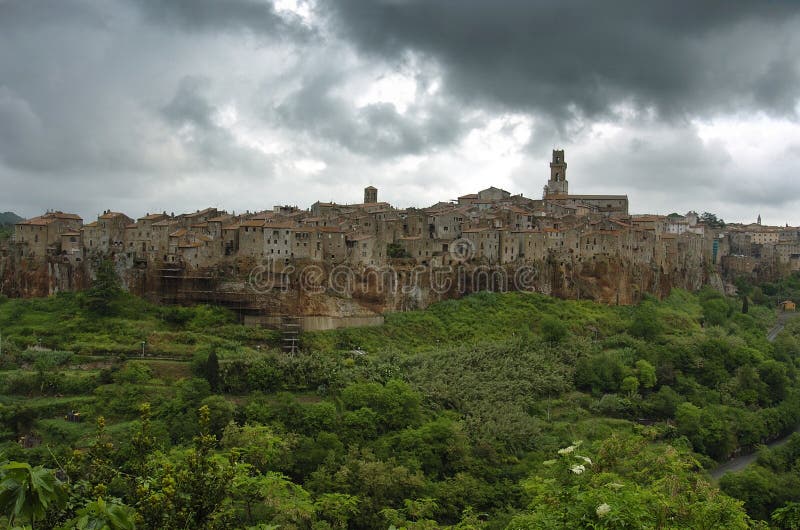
[(741, 462), (779, 325)]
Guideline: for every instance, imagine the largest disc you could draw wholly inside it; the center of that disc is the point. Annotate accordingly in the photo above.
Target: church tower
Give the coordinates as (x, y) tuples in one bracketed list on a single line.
[(557, 185), (370, 195)]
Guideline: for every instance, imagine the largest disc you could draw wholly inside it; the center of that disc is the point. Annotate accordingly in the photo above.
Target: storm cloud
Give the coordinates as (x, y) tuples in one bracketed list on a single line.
[(141, 106), (585, 57)]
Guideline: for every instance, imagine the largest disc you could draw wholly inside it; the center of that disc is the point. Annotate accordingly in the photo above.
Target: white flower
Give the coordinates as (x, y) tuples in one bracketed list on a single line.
[(578, 469), (602, 510), (566, 450), (548, 462), (585, 459)]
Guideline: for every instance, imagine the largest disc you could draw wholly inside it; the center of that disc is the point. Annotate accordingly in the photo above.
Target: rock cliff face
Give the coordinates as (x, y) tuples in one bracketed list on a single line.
[(357, 292), (21, 278)]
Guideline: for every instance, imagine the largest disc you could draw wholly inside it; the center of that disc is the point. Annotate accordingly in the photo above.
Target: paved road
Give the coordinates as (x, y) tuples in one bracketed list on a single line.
[(741, 462), (779, 325)]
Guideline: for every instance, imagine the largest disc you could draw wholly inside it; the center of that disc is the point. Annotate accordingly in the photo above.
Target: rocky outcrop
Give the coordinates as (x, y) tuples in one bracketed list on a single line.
[(314, 289)]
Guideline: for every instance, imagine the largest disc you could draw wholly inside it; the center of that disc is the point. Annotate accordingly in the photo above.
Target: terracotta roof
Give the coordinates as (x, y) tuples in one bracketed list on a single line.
[(252, 222), (220, 218), (93, 224), (111, 215), (201, 212), (179, 233), (153, 217), (647, 218), (70, 233), (50, 217)]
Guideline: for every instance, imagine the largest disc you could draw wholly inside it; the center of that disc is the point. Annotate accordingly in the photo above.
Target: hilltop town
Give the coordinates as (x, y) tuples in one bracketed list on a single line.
[(582, 246)]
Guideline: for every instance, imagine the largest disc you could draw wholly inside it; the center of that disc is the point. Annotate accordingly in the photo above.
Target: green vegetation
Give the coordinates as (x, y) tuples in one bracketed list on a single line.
[(496, 411), (7, 221), (396, 250)]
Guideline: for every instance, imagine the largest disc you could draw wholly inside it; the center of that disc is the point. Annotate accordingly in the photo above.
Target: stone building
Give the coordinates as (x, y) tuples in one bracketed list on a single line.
[(40, 236), (557, 191), (107, 234)]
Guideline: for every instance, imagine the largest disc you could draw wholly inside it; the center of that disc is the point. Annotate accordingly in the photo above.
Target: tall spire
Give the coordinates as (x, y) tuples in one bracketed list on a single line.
[(557, 185)]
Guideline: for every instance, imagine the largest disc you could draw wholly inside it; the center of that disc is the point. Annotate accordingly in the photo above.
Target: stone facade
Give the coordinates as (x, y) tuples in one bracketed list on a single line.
[(585, 243)]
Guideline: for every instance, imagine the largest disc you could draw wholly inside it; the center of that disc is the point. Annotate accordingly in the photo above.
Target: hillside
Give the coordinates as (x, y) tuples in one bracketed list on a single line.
[(496, 411), (9, 218)]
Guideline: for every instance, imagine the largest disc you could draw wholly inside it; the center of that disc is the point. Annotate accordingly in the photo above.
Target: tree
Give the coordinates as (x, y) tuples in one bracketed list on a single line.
[(745, 305), (630, 385), (773, 374), (645, 323), (28, 492), (646, 373), (553, 329), (687, 416), (102, 515), (396, 250), (711, 220), (211, 371), (104, 290), (787, 517), (337, 508), (220, 413)]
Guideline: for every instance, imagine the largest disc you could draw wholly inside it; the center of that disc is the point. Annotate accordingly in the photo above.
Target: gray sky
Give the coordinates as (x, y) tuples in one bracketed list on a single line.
[(151, 105)]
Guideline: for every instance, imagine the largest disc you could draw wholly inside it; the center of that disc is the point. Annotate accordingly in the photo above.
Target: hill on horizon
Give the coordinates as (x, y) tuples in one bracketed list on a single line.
[(9, 218)]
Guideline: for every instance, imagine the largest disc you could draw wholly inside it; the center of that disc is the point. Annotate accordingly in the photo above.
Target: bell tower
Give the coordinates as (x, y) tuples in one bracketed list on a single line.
[(557, 185), (370, 195)]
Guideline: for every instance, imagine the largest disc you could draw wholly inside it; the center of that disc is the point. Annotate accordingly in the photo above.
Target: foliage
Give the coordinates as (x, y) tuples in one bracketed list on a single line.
[(396, 251), (769, 488), (443, 418), (27, 492), (711, 220), (581, 488), (106, 288), (103, 515)]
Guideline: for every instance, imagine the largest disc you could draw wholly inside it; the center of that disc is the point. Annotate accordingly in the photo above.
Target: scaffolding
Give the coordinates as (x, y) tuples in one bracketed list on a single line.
[(290, 333)]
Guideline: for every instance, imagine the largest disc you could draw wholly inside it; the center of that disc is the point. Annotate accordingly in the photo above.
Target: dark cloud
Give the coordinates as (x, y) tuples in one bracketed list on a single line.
[(193, 116), (144, 105), (377, 129), (582, 57), (256, 16)]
